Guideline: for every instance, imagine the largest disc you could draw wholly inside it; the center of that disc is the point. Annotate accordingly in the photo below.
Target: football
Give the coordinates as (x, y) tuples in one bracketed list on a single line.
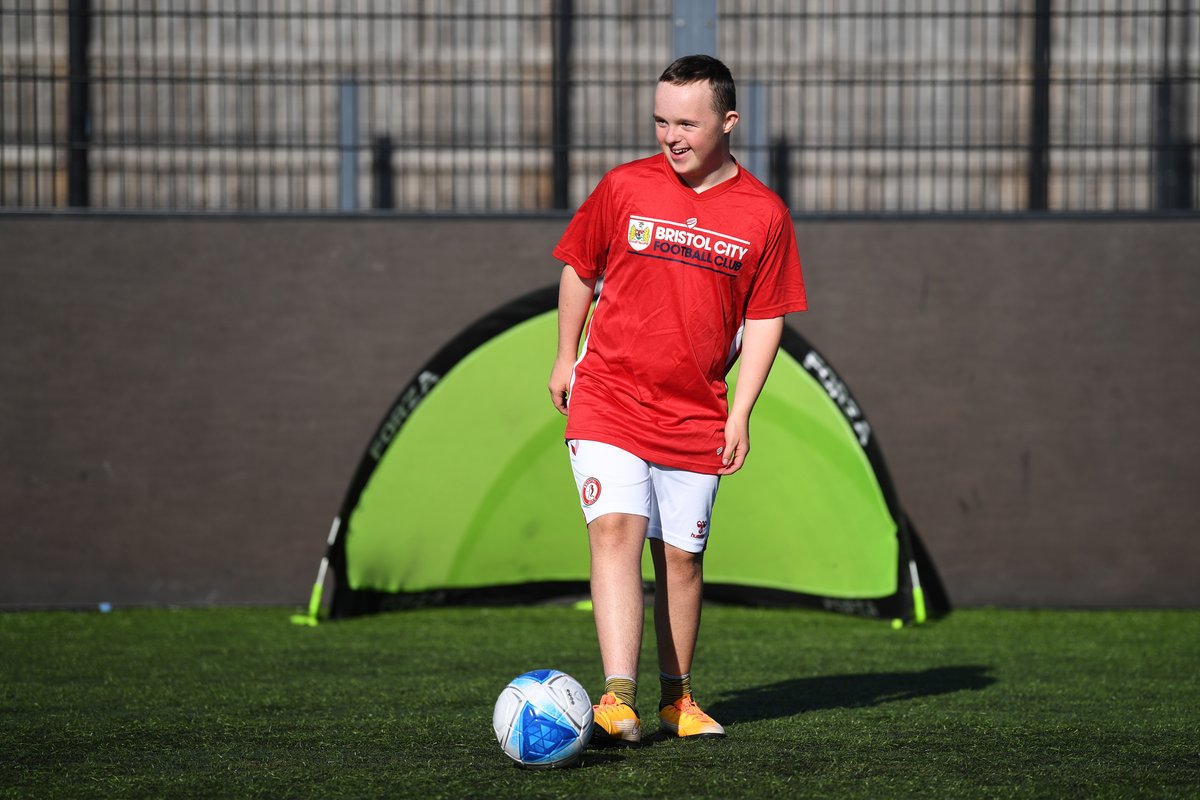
[(543, 719)]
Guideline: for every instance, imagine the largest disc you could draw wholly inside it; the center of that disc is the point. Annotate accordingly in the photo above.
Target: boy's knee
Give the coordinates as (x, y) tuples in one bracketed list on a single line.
[(677, 560), (618, 528)]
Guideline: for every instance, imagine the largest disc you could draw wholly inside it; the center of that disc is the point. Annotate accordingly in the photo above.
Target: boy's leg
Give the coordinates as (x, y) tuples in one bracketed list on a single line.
[(614, 491), (678, 529), (616, 542), (679, 524), (615, 496), (678, 596)]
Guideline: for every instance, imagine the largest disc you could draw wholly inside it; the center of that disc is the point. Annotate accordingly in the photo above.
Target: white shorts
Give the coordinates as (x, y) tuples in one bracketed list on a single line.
[(677, 503)]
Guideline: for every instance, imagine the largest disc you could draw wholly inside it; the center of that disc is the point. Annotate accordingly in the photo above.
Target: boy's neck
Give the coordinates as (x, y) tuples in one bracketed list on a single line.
[(726, 171)]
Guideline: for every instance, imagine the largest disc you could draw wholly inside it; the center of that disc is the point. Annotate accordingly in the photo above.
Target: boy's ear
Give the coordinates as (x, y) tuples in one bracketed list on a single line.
[(731, 120)]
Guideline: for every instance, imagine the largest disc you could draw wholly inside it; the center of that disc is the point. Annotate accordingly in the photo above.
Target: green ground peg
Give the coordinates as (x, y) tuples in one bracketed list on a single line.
[(314, 607), (918, 597)]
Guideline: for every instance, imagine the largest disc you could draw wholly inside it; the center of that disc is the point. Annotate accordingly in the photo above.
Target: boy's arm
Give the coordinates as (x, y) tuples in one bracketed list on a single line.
[(574, 300), (760, 342)]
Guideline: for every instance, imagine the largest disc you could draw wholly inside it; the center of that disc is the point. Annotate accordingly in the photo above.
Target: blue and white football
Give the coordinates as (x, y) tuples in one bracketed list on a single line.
[(543, 719)]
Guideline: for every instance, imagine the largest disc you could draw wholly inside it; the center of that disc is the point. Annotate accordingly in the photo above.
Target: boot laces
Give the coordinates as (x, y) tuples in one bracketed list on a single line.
[(688, 706)]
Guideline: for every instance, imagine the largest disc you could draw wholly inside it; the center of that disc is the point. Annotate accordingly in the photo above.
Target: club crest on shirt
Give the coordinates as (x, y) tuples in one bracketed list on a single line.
[(641, 233)]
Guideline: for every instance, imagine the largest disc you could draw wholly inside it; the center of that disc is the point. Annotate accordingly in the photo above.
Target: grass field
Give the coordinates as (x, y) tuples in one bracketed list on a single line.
[(240, 703)]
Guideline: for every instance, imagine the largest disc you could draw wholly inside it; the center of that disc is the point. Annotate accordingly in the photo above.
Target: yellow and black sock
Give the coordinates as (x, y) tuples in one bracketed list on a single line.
[(673, 687), (624, 687)]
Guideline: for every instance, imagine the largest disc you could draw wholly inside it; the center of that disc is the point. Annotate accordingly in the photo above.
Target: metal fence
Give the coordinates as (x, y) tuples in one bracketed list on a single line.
[(858, 106)]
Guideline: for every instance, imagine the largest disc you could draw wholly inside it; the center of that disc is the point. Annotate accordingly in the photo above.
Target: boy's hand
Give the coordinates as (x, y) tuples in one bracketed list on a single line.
[(737, 445), (560, 380)]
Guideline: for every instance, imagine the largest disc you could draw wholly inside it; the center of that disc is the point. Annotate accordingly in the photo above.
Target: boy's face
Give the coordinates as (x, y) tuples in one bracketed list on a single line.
[(691, 133)]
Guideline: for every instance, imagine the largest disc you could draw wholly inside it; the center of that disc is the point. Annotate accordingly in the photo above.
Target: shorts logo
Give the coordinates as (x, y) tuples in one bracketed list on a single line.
[(641, 233), (591, 491), (701, 526)]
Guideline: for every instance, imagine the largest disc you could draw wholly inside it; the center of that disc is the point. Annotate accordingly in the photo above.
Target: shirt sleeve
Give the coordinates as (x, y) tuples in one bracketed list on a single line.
[(584, 245), (779, 285)]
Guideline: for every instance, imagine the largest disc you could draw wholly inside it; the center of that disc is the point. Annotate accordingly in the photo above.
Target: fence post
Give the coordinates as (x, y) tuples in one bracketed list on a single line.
[(695, 27), (1039, 128), (562, 105), (348, 146), (79, 121), (1172, 149), (780, 170), (382, 170), (753, 127)]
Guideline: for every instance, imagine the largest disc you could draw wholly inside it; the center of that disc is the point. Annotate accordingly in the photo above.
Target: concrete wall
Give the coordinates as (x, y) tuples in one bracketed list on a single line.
[(183, 400)]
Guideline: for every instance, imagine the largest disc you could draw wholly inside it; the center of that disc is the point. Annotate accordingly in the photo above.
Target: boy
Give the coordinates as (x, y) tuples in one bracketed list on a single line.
[(699, 263)]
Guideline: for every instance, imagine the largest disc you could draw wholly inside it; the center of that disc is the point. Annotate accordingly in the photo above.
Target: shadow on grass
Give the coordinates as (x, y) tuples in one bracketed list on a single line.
[(796, 696)]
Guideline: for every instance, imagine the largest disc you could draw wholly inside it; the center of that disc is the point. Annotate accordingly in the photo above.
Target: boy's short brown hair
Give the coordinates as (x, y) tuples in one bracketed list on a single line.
[(693, 69)]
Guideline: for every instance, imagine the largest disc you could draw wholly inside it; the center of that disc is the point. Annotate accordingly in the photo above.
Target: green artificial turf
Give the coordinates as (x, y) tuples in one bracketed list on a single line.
[(240, 703)]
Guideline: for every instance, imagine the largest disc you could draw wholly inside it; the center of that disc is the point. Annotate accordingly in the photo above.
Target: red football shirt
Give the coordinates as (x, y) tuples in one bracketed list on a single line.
[(680, 273)]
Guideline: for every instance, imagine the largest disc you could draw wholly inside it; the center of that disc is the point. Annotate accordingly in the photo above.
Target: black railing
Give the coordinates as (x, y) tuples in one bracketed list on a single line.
[(997, 106)]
